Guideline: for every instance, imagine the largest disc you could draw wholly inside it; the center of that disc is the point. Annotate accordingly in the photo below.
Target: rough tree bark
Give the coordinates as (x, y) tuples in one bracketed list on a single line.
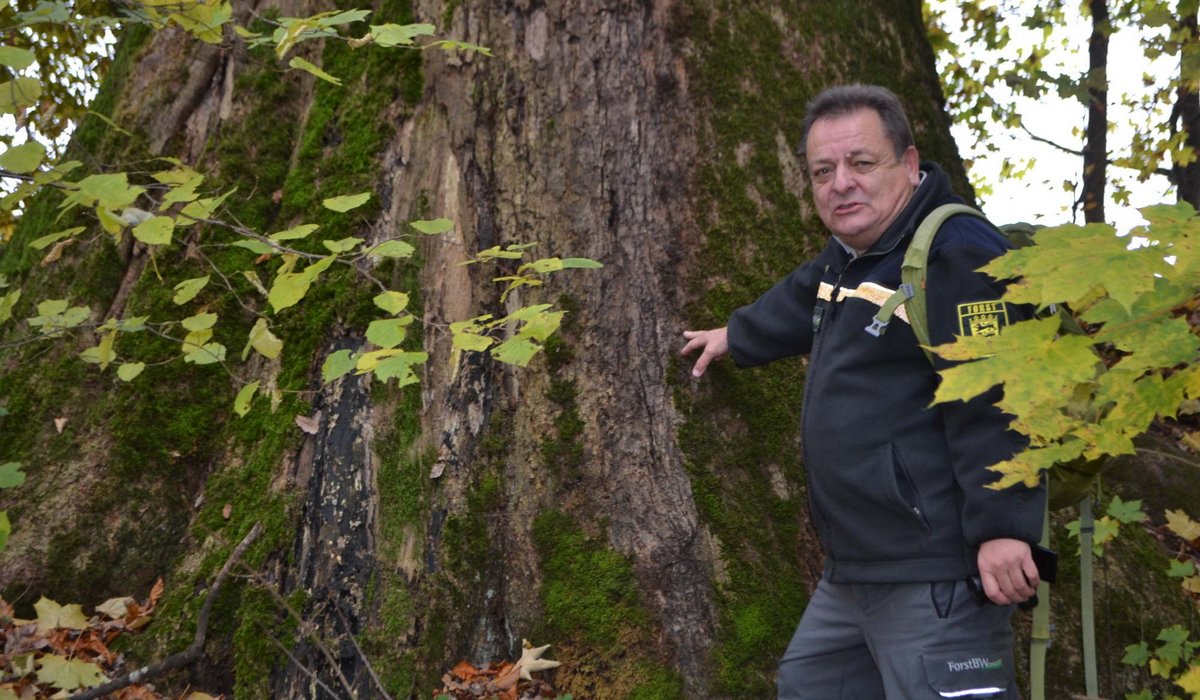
[(651, 528)]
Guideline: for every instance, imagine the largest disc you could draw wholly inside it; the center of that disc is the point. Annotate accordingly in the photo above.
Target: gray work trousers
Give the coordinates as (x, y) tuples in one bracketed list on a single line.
[(905, 641)]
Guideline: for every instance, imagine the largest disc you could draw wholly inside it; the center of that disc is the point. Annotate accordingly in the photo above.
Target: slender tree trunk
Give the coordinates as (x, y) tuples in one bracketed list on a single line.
[(1095, 151), (1186, 117)]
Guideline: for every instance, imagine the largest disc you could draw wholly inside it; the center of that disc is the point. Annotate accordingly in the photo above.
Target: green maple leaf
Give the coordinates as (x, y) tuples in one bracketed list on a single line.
[(1069, 262), (11, 475), (1126, 511), (1152, 340), (1181, 569), (1034, 364), (1136, 654), (1136, 403)]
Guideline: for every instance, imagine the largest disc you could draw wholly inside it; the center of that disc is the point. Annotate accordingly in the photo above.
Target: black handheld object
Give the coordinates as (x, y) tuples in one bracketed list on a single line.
[(1046, 561)]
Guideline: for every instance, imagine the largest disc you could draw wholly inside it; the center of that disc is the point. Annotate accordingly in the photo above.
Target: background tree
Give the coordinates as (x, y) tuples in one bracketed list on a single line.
[(651, 529)]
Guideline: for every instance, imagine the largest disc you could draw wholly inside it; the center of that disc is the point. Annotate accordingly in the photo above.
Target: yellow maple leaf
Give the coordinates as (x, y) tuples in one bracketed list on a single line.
[(1191, 584), (1179, 523), (1190, 681), (51, 615), (69, 674)]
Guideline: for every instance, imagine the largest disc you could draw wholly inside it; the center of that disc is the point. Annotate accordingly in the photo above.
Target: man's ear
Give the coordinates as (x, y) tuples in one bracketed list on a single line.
[(912, 165)]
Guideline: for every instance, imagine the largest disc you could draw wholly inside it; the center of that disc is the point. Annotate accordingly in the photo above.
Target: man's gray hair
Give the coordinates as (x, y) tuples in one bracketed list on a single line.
[(847, 99)]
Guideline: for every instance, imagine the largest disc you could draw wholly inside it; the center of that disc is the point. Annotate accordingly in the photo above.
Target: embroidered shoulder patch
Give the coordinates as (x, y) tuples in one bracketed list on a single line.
[(982, 318)]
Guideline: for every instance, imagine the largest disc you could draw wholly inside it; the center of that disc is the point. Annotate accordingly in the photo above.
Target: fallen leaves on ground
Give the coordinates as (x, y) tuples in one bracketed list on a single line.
[(501, 680), (62, 650)]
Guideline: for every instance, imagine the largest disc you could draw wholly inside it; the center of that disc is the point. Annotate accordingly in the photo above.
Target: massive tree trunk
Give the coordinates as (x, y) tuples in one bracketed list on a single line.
[(649, 526)]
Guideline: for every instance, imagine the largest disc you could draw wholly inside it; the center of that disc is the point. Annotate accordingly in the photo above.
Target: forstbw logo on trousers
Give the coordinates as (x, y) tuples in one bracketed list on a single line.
[(975, 664)]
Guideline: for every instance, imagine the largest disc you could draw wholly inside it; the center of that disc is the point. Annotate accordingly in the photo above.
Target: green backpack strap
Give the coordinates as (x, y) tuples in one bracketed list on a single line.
[(912, 275)]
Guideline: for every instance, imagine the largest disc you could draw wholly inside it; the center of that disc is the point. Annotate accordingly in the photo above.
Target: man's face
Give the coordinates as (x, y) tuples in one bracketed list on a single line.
[(859, 185)]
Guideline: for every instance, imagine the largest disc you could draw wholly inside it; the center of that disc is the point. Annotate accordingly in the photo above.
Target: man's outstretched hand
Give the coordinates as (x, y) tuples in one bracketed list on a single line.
[(712, 344)]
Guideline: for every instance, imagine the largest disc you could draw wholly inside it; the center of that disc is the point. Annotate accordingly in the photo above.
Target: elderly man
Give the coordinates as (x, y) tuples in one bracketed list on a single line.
[(896, 487)]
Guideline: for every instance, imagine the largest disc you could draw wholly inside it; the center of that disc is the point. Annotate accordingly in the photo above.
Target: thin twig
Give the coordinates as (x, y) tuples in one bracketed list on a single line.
[(193, 652), (306, 628), (1166, 455), (361, 655), (311, 674)]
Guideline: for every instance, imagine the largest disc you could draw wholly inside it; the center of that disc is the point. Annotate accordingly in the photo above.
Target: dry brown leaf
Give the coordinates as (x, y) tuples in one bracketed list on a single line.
[(156, 592), (308, 425), (116, 608), (227, 511), (57, 251), (59, 424), (464, 670), (508, 681)]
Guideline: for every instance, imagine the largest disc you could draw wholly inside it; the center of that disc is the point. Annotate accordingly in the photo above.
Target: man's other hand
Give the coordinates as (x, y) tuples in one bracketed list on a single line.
[(713, 345), (1007, 571)]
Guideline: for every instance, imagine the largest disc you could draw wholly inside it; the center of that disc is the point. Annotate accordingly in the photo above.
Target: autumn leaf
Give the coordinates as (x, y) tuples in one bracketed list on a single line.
[(532, 661), (115, 607), (51, 615), (1190, 681), (69, 674), (1179, 523), (308, 425)]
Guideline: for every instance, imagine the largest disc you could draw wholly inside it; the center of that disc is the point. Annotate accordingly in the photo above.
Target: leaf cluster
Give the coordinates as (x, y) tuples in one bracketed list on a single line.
[(1088, 395), (62, 650)]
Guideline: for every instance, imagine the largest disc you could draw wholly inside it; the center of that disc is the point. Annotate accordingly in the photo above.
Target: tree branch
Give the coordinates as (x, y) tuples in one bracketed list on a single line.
[(193, 652)]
